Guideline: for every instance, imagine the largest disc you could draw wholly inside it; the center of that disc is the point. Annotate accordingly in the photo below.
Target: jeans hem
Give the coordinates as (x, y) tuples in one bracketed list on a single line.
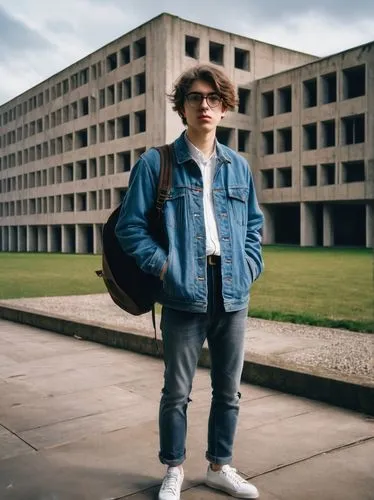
[(218, 460), (172, 463)]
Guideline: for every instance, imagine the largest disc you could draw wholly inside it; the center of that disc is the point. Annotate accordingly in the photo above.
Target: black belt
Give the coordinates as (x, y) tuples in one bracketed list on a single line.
[(213, 260)]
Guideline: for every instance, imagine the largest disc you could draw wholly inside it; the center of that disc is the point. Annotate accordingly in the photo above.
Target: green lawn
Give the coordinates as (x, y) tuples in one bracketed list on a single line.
[(331, 287)]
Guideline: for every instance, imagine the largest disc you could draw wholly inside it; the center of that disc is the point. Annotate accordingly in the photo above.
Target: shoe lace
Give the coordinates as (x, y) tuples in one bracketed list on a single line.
[(233, 476), (170, 482)]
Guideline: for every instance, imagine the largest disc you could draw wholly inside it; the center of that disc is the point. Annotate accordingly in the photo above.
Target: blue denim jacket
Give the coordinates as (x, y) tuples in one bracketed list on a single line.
[(239, 221)]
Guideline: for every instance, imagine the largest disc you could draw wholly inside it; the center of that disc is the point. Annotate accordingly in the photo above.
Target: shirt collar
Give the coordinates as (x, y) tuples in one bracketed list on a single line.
[(197, 155)]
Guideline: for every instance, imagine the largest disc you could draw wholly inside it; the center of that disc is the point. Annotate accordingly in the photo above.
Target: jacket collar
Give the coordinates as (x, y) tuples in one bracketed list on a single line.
[(183, 154)]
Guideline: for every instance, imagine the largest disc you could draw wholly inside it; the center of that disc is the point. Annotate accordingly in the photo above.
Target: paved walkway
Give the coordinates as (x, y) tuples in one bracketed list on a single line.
[(329, 352), (78, 420)]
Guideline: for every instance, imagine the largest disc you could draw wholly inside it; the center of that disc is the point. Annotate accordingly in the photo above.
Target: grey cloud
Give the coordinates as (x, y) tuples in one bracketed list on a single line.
[(342, 10), (59, 26), (16, 37)]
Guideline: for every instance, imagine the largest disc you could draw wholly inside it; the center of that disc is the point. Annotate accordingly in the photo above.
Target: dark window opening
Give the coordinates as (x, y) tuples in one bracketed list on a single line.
[(192, 47), (68, 140), (110, 164), (102, 132), (102, 98), (285, 100), (93, 168), (110, 130), (81, 199), (268, 104), (124, 90), (284, 177), (328, 174), (267, 177), (84, 106), (81, 170), (268, 142), (328, 88), (68, 172), (353, 171), (354, 82), (243, 141), (123, 126), (110, 98), (140, 48), (310, 175), (124, 161), (353, 129), (140, 84), (140, 122), (242, 60), (310, 136), (112, 62), (244, 101), (68, 203), (310, 93), (284, 140), (224, 135), (328, 134), (125, 55), (81, 138), (93, 134), (216, 53)]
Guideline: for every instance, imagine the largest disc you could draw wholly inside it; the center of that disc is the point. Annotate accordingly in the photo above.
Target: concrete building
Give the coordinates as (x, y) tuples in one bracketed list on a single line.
[(305, 124)]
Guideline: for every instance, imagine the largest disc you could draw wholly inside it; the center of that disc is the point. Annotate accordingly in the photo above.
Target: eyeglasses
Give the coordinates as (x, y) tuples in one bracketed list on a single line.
[(195, 99)]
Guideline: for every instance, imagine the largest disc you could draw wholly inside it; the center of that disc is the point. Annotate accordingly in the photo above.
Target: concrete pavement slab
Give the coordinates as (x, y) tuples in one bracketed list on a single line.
[(343, 474), (71, 454)]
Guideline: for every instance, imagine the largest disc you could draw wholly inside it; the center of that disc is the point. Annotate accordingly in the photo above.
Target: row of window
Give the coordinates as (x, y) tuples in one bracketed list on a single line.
[(82, 77), (217, 53), (74, 202), (118, 128), (352, 132), (314, 91), (324, 174), (71, 172), (112, 94)]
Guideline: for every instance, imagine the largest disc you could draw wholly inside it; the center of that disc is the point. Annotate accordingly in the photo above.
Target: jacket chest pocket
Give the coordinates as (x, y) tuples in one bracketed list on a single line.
[(175, 208), (237, 201)]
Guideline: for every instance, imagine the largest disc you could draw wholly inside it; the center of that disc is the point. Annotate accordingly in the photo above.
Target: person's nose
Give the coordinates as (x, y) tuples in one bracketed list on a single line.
[(204, 103)]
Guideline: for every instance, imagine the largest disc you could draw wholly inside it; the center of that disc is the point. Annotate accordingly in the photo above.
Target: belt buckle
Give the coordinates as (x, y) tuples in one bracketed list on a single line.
[(211, 260)]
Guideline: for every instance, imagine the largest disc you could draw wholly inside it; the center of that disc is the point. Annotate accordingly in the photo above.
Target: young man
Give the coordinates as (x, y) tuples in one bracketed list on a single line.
[(213, 223)]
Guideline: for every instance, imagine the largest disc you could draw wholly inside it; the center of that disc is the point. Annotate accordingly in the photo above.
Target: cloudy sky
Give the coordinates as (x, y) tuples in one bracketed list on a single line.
[(40, 37)]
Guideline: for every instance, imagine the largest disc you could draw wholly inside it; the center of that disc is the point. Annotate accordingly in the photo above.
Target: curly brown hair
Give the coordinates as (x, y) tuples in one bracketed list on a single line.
[(206, 73)]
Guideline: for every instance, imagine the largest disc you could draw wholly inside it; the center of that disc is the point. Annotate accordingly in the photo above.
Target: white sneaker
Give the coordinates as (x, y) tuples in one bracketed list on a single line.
[(228, 480), (171, 485)]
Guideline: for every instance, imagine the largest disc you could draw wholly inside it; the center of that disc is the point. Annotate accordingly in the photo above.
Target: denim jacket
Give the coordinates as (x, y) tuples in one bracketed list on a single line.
[(239, 221)]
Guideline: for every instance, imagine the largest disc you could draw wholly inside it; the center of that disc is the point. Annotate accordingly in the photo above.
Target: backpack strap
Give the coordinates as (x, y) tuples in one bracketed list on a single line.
[(164, 181), (163, 188)]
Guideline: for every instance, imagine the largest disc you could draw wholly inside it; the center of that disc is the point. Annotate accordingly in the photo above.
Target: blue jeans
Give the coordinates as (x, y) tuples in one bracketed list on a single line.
[(183, 336)]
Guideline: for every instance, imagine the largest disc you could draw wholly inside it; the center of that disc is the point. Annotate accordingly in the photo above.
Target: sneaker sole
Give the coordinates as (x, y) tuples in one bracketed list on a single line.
[(227, 490)]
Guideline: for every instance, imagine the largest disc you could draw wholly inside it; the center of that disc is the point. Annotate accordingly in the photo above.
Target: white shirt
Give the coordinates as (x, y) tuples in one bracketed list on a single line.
[(208, 169)]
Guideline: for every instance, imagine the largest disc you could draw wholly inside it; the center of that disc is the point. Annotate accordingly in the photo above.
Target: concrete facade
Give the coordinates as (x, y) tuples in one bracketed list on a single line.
[(68, 144)]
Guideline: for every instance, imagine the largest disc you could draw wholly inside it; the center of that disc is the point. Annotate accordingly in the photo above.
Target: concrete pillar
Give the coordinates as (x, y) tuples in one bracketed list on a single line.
[(78, 239), (308, 229), (369, 225), (49, 239), (328, 226), (97, 239), (31, 239), (268, 237), (63, 239)]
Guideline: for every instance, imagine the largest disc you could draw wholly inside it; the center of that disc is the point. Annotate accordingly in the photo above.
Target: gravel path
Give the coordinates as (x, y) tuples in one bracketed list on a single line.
[(337, 351)]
